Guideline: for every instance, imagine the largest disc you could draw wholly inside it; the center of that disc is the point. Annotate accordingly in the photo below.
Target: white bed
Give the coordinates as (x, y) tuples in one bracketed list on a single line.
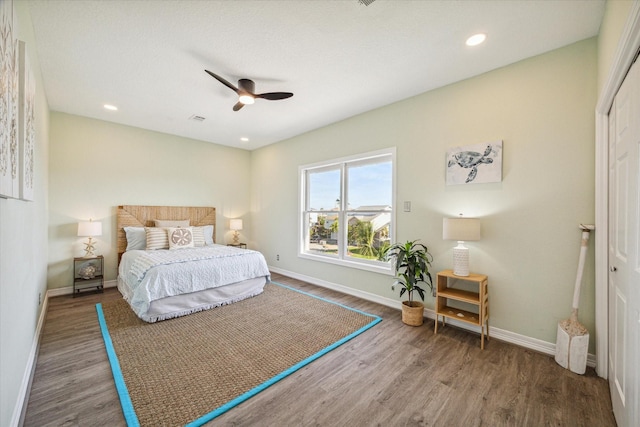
[(162, 284)]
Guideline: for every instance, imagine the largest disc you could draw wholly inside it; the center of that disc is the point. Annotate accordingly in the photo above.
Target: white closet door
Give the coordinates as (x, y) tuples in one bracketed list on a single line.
[(624, 246)]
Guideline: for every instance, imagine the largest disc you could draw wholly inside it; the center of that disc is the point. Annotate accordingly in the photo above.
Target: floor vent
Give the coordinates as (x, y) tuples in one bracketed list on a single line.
[(197, 118), (366, 2)]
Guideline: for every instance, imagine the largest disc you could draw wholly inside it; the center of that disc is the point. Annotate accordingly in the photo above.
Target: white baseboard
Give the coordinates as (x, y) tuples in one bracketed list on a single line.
[(501, 334), (23, 397)]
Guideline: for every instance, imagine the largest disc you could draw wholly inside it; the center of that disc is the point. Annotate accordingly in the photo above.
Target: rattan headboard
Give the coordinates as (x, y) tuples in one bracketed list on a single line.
[(143, 216)]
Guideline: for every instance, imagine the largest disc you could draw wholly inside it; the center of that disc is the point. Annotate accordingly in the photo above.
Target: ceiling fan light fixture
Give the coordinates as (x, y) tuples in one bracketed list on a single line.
[(247, 93), (246, 99)]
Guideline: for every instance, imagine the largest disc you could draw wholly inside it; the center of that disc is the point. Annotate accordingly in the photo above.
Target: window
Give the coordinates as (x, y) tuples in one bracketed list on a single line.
[(347, 210)]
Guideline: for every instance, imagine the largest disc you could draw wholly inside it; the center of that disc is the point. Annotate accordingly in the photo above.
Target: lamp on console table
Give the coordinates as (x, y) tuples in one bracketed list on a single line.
[(235, 225), (89, 229), (461, 229)]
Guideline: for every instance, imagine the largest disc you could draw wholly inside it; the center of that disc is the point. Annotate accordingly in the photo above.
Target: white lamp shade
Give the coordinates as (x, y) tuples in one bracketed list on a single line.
[(235, 224), (90, 228), (463, 229)]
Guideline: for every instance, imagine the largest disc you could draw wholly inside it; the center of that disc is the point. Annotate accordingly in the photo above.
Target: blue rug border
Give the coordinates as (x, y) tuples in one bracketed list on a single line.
[(125, 400)]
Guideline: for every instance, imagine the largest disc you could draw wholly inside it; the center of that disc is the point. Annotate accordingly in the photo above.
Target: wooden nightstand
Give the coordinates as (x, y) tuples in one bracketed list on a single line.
[(480, 299), (238, 245), (88, 275)]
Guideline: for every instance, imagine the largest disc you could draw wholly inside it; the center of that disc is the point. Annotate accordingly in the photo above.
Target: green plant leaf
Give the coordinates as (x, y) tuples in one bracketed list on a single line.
[(411, 266)]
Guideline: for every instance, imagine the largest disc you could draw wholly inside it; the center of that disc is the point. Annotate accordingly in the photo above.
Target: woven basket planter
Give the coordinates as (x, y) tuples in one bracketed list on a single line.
[(412, 315)]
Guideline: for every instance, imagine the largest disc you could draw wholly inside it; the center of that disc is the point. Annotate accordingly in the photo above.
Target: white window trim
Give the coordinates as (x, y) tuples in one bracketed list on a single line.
[(302, 194)]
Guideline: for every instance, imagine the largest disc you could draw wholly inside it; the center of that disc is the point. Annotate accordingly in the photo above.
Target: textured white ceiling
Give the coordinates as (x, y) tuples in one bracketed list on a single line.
[(339, 58)]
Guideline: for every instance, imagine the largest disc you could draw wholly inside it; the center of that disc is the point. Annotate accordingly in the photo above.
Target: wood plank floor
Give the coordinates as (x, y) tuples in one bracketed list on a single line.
[(392, 375)]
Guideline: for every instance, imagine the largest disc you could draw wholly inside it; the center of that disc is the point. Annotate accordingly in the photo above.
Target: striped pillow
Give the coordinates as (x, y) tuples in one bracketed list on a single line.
[(156, 238), (198, 236), (203, 236)]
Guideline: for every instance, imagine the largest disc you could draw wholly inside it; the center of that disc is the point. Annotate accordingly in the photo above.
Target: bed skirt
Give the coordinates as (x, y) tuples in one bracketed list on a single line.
[(181, 305)]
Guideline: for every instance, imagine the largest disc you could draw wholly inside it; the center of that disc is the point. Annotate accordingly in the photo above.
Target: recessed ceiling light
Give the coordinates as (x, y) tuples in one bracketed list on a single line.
[(476, 39), (110, 107), (244, 139)]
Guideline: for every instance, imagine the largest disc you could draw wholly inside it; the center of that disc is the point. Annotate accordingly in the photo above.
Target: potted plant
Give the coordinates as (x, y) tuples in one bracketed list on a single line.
[(411, 262)]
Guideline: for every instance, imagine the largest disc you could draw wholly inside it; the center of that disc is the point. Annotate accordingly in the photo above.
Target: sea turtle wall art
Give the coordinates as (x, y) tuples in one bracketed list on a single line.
[(475, 164)]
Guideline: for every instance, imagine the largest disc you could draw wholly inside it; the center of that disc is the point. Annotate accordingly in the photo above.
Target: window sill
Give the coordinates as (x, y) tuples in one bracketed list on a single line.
[(381, 269)]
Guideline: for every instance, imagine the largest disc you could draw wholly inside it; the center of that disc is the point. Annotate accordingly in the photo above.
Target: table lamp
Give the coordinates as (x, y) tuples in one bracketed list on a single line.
[(461, 229), (235, 225), (89, 229)]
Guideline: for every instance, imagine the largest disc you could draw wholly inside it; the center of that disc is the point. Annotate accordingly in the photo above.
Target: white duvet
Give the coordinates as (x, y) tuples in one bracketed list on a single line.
[(152, 275)]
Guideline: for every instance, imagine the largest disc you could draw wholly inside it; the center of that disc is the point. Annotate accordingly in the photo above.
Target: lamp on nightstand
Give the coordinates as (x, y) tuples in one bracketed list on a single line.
[(461, 229), (235, 225), (89, 229)]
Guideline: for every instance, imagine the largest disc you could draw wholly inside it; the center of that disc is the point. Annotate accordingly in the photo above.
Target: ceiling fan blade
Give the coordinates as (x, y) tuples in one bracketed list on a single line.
[(223, 81), (273, 96), (238, 106)]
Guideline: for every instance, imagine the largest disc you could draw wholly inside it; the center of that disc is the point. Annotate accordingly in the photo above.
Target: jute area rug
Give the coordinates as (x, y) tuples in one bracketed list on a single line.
[(189, 370)]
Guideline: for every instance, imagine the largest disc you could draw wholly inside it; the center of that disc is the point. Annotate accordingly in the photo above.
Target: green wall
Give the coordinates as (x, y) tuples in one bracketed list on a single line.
[(543, 110), (23, 252), (96, 166), (615, 17)]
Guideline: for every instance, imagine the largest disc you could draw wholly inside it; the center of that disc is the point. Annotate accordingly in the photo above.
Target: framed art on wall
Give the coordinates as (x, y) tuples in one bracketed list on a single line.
[(8, 103), (17, 111), (26, 115), (474, 164)]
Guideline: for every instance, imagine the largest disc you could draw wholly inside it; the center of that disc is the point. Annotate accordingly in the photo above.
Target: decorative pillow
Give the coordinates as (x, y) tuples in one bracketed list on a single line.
[(198, 236), (180, 237), (156, 238), (136, 238), (208, 235), (172, 223), (203, 236)]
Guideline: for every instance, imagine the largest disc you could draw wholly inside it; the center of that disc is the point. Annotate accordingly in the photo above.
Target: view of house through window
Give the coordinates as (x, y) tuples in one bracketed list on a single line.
[(348, 209)]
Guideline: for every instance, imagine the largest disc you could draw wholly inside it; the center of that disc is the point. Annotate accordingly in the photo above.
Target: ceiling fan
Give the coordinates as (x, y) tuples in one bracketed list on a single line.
[(246, 91)]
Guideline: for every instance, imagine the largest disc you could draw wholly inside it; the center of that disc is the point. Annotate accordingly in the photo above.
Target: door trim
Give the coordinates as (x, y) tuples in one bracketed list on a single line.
[(626, 52)]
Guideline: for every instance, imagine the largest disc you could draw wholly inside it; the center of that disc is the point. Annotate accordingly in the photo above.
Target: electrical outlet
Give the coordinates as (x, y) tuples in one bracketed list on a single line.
[(39, 298), (278, 257)]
